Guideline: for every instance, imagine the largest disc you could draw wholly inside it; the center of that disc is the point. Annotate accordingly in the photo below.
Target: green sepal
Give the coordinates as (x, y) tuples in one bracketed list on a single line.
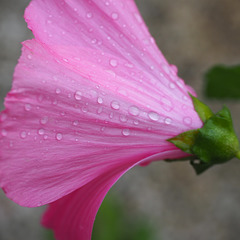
[(185, 140), (216, 141), (204, 112), (200, 166)]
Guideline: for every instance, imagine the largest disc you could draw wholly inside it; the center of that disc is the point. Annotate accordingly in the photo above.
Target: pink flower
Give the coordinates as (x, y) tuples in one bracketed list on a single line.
[(92, 97)]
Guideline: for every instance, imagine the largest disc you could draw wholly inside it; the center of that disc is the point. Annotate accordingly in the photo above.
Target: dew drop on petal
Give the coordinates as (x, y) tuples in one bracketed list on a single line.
[(138, 17), (115, 16), (123, 118), (23, 134), (126, 132), (184, 107), (167, 104), (185, 98), (115, 105), (187, 121), (111, 115), (28, 107), (172, 85), (44, 120), (59, 136), (153, 116), (89, 15), (168, 120), (4, 133), (41, 131), (99, 110), (75, 123), (58, 91), (113, 62), (84, 109), (78, 95), (135, 122), (100, 100), (133, 110)]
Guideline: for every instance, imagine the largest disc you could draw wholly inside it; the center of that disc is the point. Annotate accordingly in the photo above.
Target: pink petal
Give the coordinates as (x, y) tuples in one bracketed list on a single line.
[(65, 125), (72, 216)]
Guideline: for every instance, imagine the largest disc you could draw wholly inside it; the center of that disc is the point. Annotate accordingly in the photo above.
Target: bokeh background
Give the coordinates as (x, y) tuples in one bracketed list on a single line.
[(170, 198)]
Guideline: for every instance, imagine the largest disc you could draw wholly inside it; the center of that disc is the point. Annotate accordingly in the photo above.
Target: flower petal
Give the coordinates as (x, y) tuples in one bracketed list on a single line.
[(72, 216), (114, 29), (61, 128)]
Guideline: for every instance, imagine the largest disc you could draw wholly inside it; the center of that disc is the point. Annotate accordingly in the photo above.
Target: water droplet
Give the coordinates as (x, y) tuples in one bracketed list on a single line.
[(115, 16), (153, 116), (135, 122), (113, 62), (138, 17), (59, 136), (100, 100), (84, 109), (184, 107), (167, 104), (75, 123), (55, 102), (65, 60), (187, 121), (172, 85), (89, 15), (129, 65), (41, 131), (126, 132), (123, 118), (168, 120), (78, 95), (23, 134), (133, 110), (185, 98), (111, 115), (4, 133), (44, 120), (99, 110), (115, 105), (107, 3), (122, 92), (29, 56), (58, 91), (28, 107)]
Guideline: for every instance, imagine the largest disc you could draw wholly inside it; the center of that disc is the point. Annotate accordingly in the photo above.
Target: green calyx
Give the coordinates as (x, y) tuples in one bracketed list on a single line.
[(214, 143)]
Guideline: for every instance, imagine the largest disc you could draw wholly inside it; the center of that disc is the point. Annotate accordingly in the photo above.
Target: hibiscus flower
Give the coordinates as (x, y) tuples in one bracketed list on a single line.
[(92, 97)]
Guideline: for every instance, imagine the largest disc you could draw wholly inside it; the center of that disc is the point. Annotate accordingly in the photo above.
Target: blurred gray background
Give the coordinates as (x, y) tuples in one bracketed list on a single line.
[(194, 35)]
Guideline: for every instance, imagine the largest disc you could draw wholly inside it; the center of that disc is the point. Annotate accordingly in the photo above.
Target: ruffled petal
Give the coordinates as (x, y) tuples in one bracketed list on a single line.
[(72, 216)]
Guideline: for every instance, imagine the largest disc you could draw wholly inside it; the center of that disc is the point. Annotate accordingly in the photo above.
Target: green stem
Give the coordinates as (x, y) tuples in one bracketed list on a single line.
[(238, 155)]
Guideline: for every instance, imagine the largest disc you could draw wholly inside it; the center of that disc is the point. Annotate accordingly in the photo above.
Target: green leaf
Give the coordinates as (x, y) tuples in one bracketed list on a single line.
[(204, 112), (185, 140), (223, 82)]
